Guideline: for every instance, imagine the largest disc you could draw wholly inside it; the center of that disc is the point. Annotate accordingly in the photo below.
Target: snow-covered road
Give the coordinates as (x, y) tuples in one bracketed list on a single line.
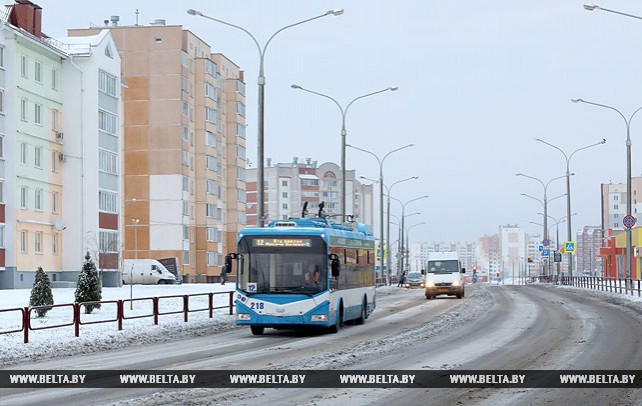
[(494, 327)]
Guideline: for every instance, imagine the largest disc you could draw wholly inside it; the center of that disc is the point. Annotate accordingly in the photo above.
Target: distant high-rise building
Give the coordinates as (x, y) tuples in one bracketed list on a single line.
[(290, 185)]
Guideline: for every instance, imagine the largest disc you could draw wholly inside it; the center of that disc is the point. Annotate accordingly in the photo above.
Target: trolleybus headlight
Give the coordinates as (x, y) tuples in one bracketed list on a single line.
[(319, 317), (243, 316)]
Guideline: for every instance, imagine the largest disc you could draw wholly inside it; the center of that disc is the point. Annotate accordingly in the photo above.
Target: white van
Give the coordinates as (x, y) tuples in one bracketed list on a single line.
[(146, 272), (444, 275)]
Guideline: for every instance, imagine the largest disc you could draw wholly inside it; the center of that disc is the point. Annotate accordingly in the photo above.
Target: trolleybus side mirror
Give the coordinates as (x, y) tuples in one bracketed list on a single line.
[(334, 265)]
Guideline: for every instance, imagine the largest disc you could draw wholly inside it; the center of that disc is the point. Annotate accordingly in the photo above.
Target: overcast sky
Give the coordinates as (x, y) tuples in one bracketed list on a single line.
[(478, 82)]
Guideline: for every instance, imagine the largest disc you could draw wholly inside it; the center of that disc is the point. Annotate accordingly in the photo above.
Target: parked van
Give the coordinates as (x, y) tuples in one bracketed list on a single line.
[(146, 272), (444, 275)]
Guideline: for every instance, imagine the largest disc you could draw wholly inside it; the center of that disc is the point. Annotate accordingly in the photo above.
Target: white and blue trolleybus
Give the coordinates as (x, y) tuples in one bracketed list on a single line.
[(302, 273)]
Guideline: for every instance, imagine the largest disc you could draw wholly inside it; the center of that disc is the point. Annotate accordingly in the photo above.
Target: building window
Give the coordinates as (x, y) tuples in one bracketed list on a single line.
[(212, 187), (240, 130), (210, 67), (211, 163), (23, 153), (37, 72), (23, 66), (210, 210), (211, 258), (54, 119), (37, 116), (185, 133), (284, 195), (24, 202), (185, 208), (210, 91), (185, 232), (37, 242), (185, 257), (1, 100), (1, 57), (210, 139), (185, 158), (284, 183), (108, 162), (107, 83), (107, 122), (240, 87), (54, 244), (38, 199), (240, 195), (210, 115), (23, 241), (37, 153), (108, 241), (240, 173), (54, 79), (185, 108), (54, 202), (2, 236), (54, 158), (185, 183), (1, 145), (211, 234), (107, 201), (240, 109), (1, 191), (240, 151), (23, 109)]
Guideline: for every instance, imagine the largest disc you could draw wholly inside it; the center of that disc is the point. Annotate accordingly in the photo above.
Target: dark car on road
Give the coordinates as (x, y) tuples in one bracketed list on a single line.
[(414, 280)]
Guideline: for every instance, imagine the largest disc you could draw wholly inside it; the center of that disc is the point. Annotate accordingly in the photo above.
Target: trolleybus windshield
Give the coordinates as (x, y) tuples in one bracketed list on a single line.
[(283, 264)]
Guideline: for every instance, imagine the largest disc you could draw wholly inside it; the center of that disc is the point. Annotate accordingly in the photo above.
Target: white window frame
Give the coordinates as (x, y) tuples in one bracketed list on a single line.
[(54, 202), (24, 197), (24, 66), (23, 109), (54, 244), (24, 242), (37, 72), (37, 113), (37, 197), (37, 157), (37, 242)]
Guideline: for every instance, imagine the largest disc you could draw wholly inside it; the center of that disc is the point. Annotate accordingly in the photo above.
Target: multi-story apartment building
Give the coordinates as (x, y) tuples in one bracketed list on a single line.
[(51, 175), (614, 203), (290, 185), (588, 261), (419, 253), (184, 141)]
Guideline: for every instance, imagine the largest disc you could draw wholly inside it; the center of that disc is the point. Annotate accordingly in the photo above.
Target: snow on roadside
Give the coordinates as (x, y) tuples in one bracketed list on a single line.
[(61, 342)]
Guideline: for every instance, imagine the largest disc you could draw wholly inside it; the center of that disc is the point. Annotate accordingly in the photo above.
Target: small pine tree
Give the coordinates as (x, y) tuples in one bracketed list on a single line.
[(88, 286), (41, 293)]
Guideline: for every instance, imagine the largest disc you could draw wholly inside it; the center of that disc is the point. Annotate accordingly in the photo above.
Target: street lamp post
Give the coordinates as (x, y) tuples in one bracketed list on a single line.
[(388, 189), (131, 273), (408, 241), (381, 161), (261, 82), (629, 242), (401, 231), (568, 191), (344, 133), (545, 186), (591, 7), (122, 247)]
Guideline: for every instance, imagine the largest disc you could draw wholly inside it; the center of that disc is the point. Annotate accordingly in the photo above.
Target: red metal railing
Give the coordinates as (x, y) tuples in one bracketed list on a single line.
[(76, 313)]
